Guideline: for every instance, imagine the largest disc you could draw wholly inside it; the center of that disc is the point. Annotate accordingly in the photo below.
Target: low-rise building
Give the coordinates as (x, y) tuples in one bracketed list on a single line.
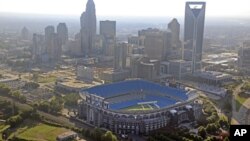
[(13, 83), (73, 85), (85, 73), (179, 68), (213, 78), (145, 68), (114, 75)]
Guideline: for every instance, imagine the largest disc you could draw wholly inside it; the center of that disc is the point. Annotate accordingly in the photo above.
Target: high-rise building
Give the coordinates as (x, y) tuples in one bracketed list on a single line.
[(193, 33), (154, 46), (145, 68), (38, 48), (143, 33), (62, 32), (88, 28), (108, 28), (174, 27), (156, 43), (179, 68), (52, 44), (133, 40), (49, 32), (85, 73), (244, 57), (108, 32), (175, 49), (25, 34), (120, 56)]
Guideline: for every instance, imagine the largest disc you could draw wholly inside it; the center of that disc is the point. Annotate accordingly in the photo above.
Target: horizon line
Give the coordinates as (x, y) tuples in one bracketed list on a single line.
[(117, 16)]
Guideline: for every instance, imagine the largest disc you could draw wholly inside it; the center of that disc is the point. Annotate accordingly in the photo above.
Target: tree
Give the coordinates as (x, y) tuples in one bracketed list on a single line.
[(211, 128), (108, 136), (44, 106), (226, 139), (31, 85), (211, 139), (195, 137), (87, 133), (4, 90), (35, 77), (223, 123), (202, 132), (97, 134), (14, 120), (16, 94), (22, 99), (71, 99), (55, 106)]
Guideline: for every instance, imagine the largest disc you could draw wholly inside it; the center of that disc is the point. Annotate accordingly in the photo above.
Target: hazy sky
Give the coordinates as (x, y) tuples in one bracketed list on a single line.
[(125, 7)]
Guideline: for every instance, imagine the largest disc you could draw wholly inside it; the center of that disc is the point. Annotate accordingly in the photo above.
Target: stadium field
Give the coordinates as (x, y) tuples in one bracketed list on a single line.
[(140, 107)]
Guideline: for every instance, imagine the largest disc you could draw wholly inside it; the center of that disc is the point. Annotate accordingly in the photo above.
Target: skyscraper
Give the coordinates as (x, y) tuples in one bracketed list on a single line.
[(193, 33), (174, 27), (244, 57), (52, 44), (120, 56), (38, 48), (108, 28), (156, 43), (49, 32), (175, 49), (25, 34), (108, 33), (62, 32), (88, 28)]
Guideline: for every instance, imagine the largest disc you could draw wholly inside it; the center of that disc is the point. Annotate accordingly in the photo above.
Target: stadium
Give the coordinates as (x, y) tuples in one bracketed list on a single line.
[(137, 106)]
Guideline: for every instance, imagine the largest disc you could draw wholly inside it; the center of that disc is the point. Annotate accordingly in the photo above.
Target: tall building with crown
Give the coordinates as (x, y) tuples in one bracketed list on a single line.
[(88, 29), (193, 33)]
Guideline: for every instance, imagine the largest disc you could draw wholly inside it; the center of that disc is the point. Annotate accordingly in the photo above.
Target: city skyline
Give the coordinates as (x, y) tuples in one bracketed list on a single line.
[(123, 8), (124, 70)]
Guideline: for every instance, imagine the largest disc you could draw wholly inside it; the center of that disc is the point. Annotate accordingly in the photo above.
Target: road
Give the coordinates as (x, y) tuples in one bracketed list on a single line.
[(235, 114)]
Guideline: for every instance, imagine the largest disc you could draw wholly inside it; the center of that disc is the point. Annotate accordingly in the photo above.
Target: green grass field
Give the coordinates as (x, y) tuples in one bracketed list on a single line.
[(141, 107), (46, 79), (43, 79), (2, 128), (41, 132), (239, 101), (35, 131)]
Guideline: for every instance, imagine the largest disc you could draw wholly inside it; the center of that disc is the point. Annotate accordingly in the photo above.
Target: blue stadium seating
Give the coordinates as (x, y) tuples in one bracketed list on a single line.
[(161, 102), (110, 90)]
